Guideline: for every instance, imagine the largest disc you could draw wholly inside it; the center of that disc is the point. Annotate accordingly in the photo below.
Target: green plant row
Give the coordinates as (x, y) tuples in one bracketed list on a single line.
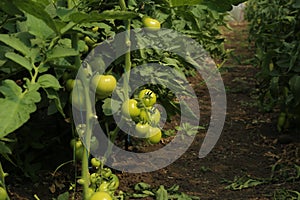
[(275, 29)]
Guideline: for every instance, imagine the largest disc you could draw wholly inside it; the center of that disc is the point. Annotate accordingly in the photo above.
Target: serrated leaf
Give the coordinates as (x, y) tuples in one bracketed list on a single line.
[(15, 43), (24, 62), (16, 106), (36, 9), (49, 81), (81, 17), (61, 52)]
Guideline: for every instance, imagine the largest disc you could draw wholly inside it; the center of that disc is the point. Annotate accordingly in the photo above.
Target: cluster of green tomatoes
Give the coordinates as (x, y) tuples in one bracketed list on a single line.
[(145, 115), (102, 183)]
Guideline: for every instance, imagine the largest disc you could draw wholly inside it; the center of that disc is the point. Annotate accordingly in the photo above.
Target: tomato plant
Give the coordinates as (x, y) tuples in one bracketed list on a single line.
[(274, 28)]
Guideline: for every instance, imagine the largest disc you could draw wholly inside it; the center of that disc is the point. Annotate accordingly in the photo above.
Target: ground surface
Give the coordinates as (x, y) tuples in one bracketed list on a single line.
[(247, 149)]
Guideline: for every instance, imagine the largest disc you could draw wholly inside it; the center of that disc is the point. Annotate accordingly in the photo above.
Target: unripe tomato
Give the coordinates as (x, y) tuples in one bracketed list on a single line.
[(89, 41), (95, 162), (3, 194), (101, 196), (104, 85), (79, 153), (147, 97), (70, 84), (150, 116), (150, 23), (142, 129), (154, 135), (130, 108), (95, 29), (90, 193)]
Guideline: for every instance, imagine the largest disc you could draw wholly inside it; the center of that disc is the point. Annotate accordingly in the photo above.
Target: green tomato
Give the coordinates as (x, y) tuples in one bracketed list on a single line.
[(89, 41), (104, 85), (95, 162), (79, 153), (130, 108), (152, 116), (150, 23), (142, 129), (101, 196), (147, 97), (70, 84), (3, 194), (103, 187), (90, 193), (154, 135)]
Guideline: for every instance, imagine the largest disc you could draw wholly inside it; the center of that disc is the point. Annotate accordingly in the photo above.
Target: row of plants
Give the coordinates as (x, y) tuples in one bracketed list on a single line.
[(275, 30), (44, 44)]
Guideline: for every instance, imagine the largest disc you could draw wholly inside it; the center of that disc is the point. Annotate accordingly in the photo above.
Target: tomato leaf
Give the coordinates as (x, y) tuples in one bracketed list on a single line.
[(174, 3), (295, 86), (24, 62), (15, 43), (61, 52), (36, 9), (161, 193), (110, 106), (49, 81), (16, 106), (38, 27), (81, 17), (4, 149)]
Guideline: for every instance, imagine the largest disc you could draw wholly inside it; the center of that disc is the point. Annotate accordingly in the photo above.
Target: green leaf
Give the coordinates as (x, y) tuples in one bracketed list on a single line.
[(295, 86), (4, 149), (24, 62), (141, 186), (36, 9), (53, 95), (296, 4), (15, 43), (61, 52), (174, 3), (8, 7), (110, 106), (81, 17), (218, 5), (16, 106), (63, 196), (38, 27), (49, 81), (161, 193)]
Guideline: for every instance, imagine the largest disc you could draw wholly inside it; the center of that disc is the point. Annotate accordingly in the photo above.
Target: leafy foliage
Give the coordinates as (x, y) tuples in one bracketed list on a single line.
[(274, 28)]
